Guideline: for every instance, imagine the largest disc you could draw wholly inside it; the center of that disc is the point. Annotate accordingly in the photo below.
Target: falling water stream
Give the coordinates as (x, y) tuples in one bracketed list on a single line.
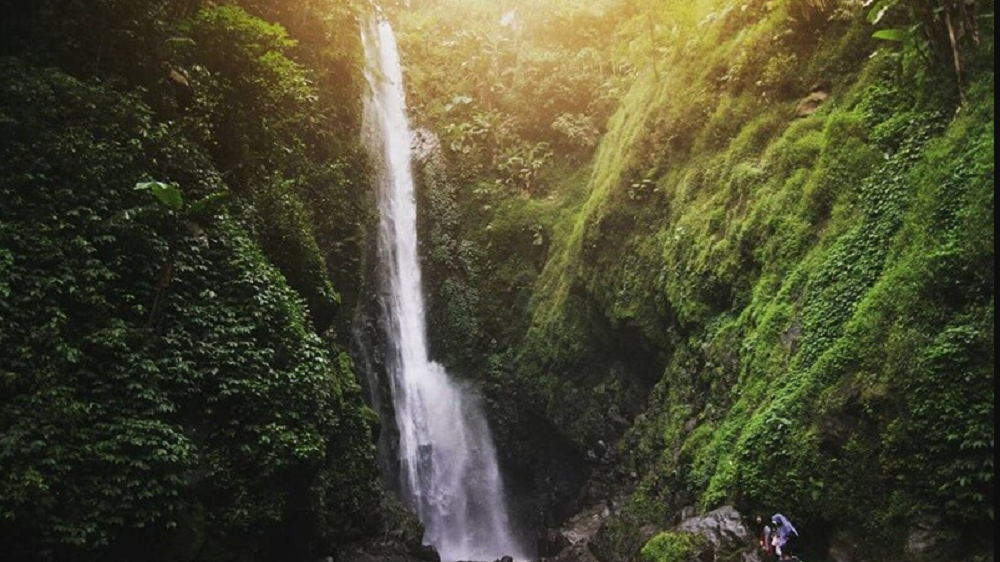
[(448, 462)]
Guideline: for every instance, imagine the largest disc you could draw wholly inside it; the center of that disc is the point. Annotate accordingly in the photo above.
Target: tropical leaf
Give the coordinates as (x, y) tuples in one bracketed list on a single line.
[(209, 203), (168, 194), (894, 35)]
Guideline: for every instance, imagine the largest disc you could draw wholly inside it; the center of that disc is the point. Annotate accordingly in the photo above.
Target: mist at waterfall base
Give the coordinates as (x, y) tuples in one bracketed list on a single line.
[(448, 463)]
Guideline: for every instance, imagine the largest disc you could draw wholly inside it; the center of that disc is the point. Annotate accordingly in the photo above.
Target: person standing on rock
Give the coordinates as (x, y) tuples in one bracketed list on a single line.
[(784, 532), (765, 534)]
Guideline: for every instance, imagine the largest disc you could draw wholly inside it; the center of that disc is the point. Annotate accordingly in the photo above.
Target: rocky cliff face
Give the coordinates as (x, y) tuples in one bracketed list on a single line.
[(776, 291)]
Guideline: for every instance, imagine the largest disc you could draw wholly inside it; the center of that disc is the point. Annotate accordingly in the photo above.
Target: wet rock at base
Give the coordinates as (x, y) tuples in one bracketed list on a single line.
[(571, 542), (579, 552), (725, 535), (552, 542), (722, 528)]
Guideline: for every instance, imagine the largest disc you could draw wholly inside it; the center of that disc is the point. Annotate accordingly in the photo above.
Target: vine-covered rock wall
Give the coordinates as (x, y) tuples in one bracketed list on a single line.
[(773, 287), (184, 216)]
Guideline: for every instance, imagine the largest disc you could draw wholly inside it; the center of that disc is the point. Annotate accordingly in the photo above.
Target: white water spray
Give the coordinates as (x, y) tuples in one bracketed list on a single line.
[(448, 461)]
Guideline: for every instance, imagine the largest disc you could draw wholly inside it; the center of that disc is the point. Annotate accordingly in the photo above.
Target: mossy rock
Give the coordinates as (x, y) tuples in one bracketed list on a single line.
[(672, 546)]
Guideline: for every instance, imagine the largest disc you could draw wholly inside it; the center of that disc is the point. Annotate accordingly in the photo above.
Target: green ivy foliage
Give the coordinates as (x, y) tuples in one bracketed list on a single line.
[(788, 280), (268, 127), (782, 309), (509, 85), (161, 383), (251, 96)]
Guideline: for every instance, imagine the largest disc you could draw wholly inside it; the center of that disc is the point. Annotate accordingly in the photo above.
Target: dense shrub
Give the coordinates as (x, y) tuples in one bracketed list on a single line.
[(145, 356)]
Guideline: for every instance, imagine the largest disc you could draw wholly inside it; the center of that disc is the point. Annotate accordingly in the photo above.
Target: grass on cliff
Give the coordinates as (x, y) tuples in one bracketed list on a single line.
[(819, 289)]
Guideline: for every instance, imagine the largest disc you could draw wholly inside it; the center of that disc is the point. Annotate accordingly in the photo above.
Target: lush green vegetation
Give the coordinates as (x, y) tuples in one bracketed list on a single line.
[(183, 214), (785, 241), (671, 547), (698, 253)]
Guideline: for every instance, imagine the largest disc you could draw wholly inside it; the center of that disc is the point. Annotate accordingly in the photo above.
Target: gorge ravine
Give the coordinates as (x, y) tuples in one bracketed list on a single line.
[(448, 469)]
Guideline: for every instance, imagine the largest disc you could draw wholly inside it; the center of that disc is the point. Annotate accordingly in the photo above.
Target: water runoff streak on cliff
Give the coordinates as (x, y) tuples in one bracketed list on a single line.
[(448, 461)]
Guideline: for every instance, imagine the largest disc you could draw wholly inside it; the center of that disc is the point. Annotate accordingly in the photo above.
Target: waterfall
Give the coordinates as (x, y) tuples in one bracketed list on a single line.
[(448, 463)]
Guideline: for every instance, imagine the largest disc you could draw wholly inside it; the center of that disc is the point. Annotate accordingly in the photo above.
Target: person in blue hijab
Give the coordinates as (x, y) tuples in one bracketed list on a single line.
[(784, 531)]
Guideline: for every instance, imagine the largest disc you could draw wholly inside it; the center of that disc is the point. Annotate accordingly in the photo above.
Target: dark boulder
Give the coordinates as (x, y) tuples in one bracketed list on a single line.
[(579, 552), (726, 536), (552, 543), (571, 542)]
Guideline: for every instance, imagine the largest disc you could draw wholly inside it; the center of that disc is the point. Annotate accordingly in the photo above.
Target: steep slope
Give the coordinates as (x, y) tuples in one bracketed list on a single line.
[(787, 241)]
